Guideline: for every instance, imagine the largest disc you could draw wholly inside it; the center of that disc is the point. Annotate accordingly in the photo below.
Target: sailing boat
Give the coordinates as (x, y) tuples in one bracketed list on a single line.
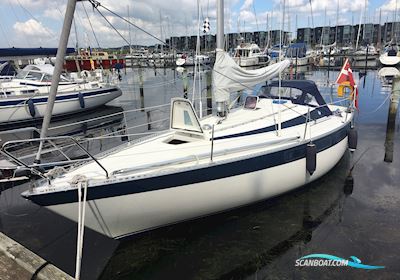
[(205, 166)]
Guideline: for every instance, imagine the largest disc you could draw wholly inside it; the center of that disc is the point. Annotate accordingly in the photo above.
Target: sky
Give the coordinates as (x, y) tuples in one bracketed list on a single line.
[(37, 23)]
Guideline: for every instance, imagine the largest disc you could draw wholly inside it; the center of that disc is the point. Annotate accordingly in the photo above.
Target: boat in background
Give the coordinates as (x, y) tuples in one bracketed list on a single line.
[(250, 55), (91, 60), (298, 55), (25, 96), (390, 57), (189, 60)]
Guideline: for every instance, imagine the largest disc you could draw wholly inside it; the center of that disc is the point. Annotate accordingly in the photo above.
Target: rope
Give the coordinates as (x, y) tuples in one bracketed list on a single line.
[(81, 182)]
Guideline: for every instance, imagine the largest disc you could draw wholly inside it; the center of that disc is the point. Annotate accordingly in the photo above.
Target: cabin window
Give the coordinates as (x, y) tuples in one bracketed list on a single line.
[(288, 93), (310, 100), (187, 119), (183, 116), (251, 102), (46, 78)]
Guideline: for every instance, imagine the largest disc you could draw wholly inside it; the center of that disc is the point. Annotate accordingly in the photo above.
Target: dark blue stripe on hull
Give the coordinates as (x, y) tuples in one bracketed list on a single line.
[(193, 176), (314, 115), (58, 98)]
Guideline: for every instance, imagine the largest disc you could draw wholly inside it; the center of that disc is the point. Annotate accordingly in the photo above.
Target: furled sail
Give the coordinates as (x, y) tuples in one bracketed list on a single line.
[(229, 77)]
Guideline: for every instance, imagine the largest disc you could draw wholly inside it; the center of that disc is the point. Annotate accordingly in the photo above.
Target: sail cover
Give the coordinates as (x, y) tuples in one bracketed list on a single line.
[(229, 77)]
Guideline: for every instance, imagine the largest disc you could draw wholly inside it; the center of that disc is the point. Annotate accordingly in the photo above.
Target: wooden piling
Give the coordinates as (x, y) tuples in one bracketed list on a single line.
[(391, 122)]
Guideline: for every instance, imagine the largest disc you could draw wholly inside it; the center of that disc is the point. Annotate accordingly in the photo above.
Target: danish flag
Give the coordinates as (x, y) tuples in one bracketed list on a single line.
[(346, 76)]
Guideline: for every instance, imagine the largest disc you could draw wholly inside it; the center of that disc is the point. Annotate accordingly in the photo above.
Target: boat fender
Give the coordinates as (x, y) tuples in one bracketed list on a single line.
[(311, 158), (81, 100), (352, 138), (31, 107)]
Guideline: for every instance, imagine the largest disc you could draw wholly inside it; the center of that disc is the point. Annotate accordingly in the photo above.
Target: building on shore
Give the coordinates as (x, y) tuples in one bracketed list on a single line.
[(208, 41), (346, 35)]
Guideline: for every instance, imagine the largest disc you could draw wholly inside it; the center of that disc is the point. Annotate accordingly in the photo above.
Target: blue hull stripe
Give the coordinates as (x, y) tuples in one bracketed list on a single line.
[(314, 115), (192, 176), (58, 97)]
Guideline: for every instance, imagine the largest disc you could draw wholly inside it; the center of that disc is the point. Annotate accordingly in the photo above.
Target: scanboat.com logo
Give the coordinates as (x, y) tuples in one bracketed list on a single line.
[(329, 260)]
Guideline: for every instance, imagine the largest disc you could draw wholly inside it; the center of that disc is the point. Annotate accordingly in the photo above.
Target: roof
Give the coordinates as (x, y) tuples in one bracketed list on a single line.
[(30, 52)]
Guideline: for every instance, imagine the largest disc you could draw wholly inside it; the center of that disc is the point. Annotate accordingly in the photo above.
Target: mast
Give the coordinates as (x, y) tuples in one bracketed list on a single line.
[(161, 33), (129, 30), (280, 73), (337, 21), (359, 31), (62, 48), (220, 24), (221, 110), (379, 31)]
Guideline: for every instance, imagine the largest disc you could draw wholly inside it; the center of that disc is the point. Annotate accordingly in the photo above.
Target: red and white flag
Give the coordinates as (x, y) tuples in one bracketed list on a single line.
[(346, 75)]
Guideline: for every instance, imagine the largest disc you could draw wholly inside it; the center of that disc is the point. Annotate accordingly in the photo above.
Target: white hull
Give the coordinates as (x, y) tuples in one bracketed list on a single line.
[(389, 60), (20, 112), (302, 61), (246, 61), (122, 215), (388, 72)]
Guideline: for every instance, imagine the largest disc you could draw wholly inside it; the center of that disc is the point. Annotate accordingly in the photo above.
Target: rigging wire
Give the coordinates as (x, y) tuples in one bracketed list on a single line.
[(113, 27), (90, 23)]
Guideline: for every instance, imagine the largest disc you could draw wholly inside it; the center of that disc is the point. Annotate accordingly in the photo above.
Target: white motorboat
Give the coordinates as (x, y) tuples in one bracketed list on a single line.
[(248, 55), (186, 60), (25, 97), (205, 166), (390, 57)]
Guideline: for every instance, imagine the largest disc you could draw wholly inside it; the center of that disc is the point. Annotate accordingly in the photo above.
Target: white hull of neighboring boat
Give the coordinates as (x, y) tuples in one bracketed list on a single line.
[(388, 72), (66, 103), (302, 61), (389, 60), (123, 215), (246, 61)]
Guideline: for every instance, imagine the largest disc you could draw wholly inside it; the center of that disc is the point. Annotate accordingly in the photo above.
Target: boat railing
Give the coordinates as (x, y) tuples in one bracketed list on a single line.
[(37, 168)]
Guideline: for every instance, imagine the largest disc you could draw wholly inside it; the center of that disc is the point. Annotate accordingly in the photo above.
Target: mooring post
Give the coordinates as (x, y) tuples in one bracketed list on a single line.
[(391, 122)]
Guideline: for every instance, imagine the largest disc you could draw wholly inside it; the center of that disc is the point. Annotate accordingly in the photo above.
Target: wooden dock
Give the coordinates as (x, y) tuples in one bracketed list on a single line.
[(17, 262)]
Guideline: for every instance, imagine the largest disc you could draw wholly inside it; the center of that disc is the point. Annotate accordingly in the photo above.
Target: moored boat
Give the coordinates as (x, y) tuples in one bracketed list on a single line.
[(25, 97)]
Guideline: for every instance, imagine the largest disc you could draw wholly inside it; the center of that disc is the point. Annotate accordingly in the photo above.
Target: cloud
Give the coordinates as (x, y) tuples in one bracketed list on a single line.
[(34, 33), (31, 28)]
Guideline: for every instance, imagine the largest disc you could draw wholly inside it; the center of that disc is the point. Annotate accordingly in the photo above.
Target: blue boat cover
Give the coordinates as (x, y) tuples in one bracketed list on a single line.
[(5, 52), (296, 49), (306, 87)]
